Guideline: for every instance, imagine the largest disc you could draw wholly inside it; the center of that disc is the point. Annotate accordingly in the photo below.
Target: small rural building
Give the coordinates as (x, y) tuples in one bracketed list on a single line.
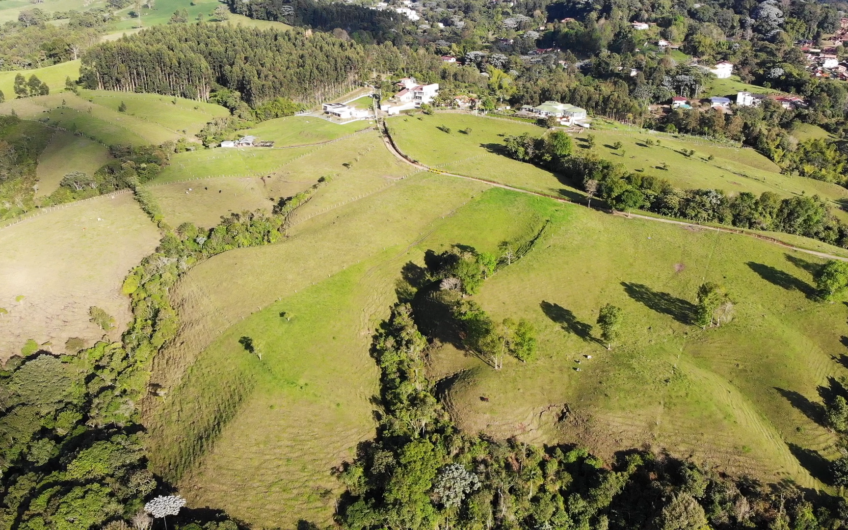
[(344, 112), (678, 102), (790, 102), (662, 43), (747, 99), (228, 143), (640, 26), (246, 141), (722, 70), (719, 102), (448, 59), (829, 61), (567, 114)]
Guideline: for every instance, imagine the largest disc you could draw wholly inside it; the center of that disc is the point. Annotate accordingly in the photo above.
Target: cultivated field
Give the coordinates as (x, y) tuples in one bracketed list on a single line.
[(64, 154), (56, 265)]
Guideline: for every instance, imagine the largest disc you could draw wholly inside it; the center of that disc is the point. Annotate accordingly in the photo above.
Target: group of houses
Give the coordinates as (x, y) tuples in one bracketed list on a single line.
[(564, 113), (410, 96), (743, 99)]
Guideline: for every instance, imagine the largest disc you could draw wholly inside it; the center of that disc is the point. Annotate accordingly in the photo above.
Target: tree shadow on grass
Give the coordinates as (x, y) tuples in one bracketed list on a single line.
[(811, 409), (677, 308), (567, 320), (781, 278), (803, 264), (812, 461)]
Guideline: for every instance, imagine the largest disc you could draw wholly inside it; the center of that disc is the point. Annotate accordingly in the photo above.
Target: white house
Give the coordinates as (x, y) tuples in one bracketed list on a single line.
[(722, 70), (662, 43), (228, 143), (246, 141), (567, 114), (747, 99), (344, 112), (640, 26), (829, 61)]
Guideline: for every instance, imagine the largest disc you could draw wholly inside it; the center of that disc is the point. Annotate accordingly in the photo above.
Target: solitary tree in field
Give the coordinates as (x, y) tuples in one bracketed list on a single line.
[(122, 107), (222, 13), (832, 279), (617, 145), (711, 297), (609, 320), (590, 141), (591, 187)]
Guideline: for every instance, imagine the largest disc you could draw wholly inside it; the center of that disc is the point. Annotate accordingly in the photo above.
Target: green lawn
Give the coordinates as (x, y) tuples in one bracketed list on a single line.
[(301, 130), (733, 85), (64, 154), (218, 162), (365, 102)]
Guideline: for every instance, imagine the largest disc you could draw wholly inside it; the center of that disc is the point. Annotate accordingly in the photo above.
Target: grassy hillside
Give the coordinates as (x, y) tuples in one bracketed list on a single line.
[(54, 75), (204, 202), (734, 396), (64, 154), (477, 154), (300, 130), (150, 119), (176, 114), (56, 265)]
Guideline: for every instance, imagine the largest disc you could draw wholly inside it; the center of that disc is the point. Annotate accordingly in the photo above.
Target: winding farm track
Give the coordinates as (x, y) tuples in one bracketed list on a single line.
[(393, 148)]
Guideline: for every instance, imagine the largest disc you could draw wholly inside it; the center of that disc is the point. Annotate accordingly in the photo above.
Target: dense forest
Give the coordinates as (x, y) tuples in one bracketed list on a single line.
[(360, 23), (193, 60)]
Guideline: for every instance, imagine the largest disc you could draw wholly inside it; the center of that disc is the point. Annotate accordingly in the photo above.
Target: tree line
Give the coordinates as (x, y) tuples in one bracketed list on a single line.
[(623, 190)]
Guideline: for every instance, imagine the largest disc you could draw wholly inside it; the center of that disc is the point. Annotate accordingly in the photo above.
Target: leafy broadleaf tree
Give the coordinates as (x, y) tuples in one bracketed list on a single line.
[(609, 320)]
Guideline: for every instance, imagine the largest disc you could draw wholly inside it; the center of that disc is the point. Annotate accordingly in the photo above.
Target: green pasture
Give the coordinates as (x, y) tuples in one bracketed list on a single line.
[(64, 154), (222, 162), (302, 130), (736, 397), (476, 154), (365, 102), (176, 114), (162, 12), (54, 76), (204, 202), (104, 124), (732, 169), (305, 405), (58, 263), (10, 9)]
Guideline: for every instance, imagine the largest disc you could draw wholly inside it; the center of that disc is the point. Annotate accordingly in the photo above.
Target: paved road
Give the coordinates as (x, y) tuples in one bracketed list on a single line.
[(390, 145)]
